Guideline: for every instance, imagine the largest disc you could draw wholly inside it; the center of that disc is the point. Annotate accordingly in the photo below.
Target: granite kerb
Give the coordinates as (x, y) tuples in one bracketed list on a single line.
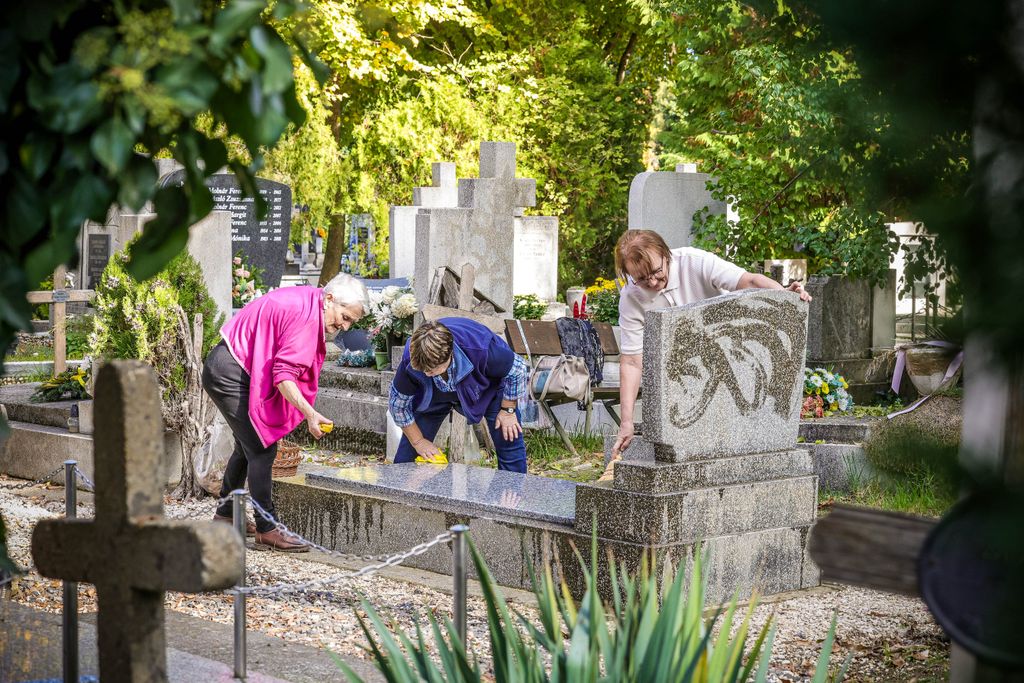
[(652, 477), (687, 516), (770, 560)]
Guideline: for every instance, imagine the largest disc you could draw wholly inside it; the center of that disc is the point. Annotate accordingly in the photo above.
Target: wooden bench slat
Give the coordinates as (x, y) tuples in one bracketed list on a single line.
[(542, 336)]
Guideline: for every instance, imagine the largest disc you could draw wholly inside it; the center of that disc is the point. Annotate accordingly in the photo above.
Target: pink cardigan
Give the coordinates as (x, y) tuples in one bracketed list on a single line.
[(277, 337)]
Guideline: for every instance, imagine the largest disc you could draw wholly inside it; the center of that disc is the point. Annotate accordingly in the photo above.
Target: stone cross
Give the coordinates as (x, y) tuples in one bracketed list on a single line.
[(443, 190), (58, 298), (130, 551), (481, 229)]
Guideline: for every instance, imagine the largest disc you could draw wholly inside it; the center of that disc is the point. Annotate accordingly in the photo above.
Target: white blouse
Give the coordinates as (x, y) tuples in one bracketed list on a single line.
[(693, 275)]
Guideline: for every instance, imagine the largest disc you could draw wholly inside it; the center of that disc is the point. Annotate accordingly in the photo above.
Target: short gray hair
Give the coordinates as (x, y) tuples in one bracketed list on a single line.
[(347, 290)]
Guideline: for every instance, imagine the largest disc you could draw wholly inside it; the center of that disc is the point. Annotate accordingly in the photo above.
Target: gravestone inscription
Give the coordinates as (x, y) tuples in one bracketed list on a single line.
[(264, 242), (97, 256)]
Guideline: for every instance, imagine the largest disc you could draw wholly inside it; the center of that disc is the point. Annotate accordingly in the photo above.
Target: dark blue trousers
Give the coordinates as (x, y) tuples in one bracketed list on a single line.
[(511, 454)]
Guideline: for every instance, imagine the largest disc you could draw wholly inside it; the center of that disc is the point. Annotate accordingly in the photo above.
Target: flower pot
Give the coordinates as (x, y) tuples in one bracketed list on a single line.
[(927, 366), (381, 358), (354, 340)]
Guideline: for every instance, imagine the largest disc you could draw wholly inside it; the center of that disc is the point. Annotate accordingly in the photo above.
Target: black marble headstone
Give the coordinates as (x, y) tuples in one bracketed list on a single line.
[(264, 243), (97, 255)]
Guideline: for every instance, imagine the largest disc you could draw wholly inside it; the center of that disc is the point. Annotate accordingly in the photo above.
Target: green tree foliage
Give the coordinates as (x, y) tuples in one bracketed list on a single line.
[(84, 85), (572, 84), (779, 115)]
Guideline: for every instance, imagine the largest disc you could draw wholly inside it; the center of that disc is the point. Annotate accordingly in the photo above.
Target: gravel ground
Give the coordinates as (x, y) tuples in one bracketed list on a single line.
[(891, 638)]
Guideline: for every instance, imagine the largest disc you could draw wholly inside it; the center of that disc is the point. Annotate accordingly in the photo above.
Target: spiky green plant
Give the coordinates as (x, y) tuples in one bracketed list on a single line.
[(649, 632)]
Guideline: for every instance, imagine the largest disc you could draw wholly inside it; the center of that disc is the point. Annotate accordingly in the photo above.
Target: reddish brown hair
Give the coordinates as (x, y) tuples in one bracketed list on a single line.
[(632, 252)]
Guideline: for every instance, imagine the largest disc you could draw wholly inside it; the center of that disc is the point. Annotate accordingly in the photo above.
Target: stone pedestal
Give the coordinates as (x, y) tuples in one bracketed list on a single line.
[(722, 386)]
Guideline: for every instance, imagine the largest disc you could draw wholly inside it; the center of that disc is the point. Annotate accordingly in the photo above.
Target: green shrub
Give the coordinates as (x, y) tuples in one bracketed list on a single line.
[(528, 307), (603, 301), (140, 319), (657, 633)]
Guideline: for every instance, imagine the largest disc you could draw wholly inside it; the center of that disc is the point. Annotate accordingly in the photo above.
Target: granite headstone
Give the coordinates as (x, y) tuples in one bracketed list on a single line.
[(264, 242), (443, 192), (667, 201), (724, 376)]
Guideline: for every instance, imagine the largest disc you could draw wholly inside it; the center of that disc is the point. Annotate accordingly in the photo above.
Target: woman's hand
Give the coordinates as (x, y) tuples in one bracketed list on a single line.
[(509, 425), (313, 422), (623, 439), (426, 448), (799, 289)]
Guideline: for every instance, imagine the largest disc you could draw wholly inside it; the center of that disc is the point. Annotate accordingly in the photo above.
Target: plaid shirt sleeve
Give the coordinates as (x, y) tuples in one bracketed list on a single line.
[(400, 406), (514, 384)]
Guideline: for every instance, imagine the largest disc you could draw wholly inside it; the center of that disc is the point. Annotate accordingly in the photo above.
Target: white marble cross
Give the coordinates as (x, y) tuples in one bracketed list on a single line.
[(130, 551)]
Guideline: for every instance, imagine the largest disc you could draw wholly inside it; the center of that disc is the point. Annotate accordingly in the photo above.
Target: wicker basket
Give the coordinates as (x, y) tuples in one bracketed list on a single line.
[(286, 464)]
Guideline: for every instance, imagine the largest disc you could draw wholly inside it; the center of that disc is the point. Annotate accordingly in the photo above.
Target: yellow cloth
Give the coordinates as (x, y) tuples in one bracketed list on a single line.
[(439, 459)]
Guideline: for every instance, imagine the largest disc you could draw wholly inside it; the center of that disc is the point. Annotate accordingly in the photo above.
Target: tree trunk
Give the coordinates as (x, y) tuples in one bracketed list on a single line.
[(192, 416), (335, 245)]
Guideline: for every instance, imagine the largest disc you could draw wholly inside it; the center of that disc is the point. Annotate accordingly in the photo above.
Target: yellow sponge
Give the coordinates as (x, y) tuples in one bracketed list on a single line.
[(438, 459), (326, 427)]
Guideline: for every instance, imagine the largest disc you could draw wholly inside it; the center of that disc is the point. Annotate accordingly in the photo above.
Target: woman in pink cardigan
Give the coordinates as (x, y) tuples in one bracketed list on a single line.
[(263, 377)]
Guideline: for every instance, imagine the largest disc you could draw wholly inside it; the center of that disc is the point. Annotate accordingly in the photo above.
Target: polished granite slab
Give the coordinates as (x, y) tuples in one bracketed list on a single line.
[(468, 488)]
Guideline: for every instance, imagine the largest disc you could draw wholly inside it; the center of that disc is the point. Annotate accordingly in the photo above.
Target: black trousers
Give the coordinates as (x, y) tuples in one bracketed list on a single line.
[(228, 385)]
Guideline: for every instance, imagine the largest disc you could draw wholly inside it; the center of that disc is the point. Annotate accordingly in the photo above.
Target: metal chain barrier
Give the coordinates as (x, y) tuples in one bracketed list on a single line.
[(72, 475), (29, 484), (369, 570), (293, 536), (90, 485)]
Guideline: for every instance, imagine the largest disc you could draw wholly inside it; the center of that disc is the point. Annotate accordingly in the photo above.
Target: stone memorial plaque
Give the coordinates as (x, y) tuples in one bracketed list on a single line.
[(535, 255), (97, 255), (265, 242)]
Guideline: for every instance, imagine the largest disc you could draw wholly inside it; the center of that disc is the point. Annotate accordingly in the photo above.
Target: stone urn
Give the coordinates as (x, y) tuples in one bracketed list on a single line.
[(927, 365)]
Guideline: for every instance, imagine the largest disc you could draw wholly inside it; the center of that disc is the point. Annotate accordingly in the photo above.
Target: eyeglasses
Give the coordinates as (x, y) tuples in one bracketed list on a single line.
[(653, 277)]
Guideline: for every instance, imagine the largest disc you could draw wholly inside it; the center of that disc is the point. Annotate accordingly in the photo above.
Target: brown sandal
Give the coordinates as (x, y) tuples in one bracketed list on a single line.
[(275, 539)]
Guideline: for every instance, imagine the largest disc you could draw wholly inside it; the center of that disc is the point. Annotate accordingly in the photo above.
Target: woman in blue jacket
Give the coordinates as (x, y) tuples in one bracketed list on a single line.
[(458, 363)]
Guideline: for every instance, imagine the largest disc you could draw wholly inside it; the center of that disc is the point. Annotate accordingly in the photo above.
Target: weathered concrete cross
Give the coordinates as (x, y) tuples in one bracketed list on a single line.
[(131, 552)]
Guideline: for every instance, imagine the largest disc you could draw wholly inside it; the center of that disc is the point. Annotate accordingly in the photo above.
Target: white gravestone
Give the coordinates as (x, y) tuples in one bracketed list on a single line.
[(481, 230), (535, 253), (665, 201), (443, 192), (209, 243)]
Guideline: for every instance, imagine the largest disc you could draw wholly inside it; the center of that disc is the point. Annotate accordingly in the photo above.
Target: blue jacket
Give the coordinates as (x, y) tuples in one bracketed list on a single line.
[(490, 360)]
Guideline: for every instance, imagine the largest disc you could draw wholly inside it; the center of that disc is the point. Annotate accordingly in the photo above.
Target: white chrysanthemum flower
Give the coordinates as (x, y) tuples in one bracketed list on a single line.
[(404, 306), (390, 293)]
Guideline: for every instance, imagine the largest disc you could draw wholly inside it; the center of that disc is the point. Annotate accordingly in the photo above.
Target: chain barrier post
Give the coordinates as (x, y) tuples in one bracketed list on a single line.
[(70, 616), (459, 578), (238, 510)]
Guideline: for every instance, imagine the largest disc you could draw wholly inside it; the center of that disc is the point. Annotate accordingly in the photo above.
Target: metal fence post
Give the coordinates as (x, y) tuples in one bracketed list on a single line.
[(238, 507), (70, 616), (459, 578)]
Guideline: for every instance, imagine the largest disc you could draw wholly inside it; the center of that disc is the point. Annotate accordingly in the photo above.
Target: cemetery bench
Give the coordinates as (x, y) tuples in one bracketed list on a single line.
[(542, 340)]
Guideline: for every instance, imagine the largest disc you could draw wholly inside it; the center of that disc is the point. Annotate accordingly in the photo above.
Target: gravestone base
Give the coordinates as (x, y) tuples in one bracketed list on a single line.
[(387, 509)]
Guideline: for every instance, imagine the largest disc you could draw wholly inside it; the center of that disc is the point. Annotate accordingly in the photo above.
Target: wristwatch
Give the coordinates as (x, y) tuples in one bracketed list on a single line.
[(510, 411)]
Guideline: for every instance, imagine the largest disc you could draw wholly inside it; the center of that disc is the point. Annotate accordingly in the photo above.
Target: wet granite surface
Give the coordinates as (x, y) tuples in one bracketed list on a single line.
[(467, 487)]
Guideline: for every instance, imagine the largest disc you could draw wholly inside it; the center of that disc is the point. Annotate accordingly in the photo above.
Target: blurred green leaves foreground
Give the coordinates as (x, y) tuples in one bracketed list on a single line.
[(88, 90)]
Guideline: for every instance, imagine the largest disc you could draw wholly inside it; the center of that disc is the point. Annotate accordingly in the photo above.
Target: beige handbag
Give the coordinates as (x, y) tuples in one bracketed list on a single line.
[(564, 375)]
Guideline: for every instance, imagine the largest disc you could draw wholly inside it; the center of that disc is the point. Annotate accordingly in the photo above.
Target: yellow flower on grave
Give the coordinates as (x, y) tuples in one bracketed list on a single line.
[(824, 388), (321, 232), (80, 377)]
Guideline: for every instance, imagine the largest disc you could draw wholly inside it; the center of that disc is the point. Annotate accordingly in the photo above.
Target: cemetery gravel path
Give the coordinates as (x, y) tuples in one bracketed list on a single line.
[(892, 638)]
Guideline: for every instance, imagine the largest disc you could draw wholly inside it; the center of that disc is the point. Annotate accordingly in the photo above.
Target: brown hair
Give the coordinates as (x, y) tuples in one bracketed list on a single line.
[(632, 252), (430, 346)]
